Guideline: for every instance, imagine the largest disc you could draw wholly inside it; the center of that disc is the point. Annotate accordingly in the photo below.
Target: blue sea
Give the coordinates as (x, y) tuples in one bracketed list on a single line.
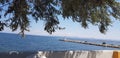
[(14, 42)]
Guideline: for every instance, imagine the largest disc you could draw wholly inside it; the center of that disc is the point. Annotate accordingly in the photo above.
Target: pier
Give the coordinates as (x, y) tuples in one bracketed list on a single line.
[(90, 43)]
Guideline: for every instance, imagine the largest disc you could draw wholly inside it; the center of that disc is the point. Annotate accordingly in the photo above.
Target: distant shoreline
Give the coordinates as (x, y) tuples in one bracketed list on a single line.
[(90, 43)]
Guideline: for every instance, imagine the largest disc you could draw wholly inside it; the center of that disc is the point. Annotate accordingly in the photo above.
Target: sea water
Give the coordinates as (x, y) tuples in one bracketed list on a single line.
[(14, 42)]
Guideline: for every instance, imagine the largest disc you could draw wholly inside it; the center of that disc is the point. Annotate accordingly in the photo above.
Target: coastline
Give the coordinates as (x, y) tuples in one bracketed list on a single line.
[(91, 43)]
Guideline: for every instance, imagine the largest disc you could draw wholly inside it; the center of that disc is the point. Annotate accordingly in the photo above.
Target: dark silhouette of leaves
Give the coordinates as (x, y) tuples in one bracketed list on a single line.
[(96, 12)]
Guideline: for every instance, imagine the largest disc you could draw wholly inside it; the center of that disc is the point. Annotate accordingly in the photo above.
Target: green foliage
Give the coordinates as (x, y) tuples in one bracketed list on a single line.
[(96, 12), (2, 25)]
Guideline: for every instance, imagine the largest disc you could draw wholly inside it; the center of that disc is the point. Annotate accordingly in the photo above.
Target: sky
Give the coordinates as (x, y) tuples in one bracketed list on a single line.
[(74, 29)]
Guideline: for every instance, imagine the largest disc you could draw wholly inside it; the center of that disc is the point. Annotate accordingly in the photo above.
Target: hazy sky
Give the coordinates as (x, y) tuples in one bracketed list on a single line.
[(74, 29)]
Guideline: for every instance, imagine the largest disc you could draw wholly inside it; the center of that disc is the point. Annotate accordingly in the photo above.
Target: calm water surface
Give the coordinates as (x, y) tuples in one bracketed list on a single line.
[(13, 42)]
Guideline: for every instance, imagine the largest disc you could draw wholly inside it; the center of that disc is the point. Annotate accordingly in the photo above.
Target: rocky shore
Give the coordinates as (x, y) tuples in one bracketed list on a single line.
[(64, 54)]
